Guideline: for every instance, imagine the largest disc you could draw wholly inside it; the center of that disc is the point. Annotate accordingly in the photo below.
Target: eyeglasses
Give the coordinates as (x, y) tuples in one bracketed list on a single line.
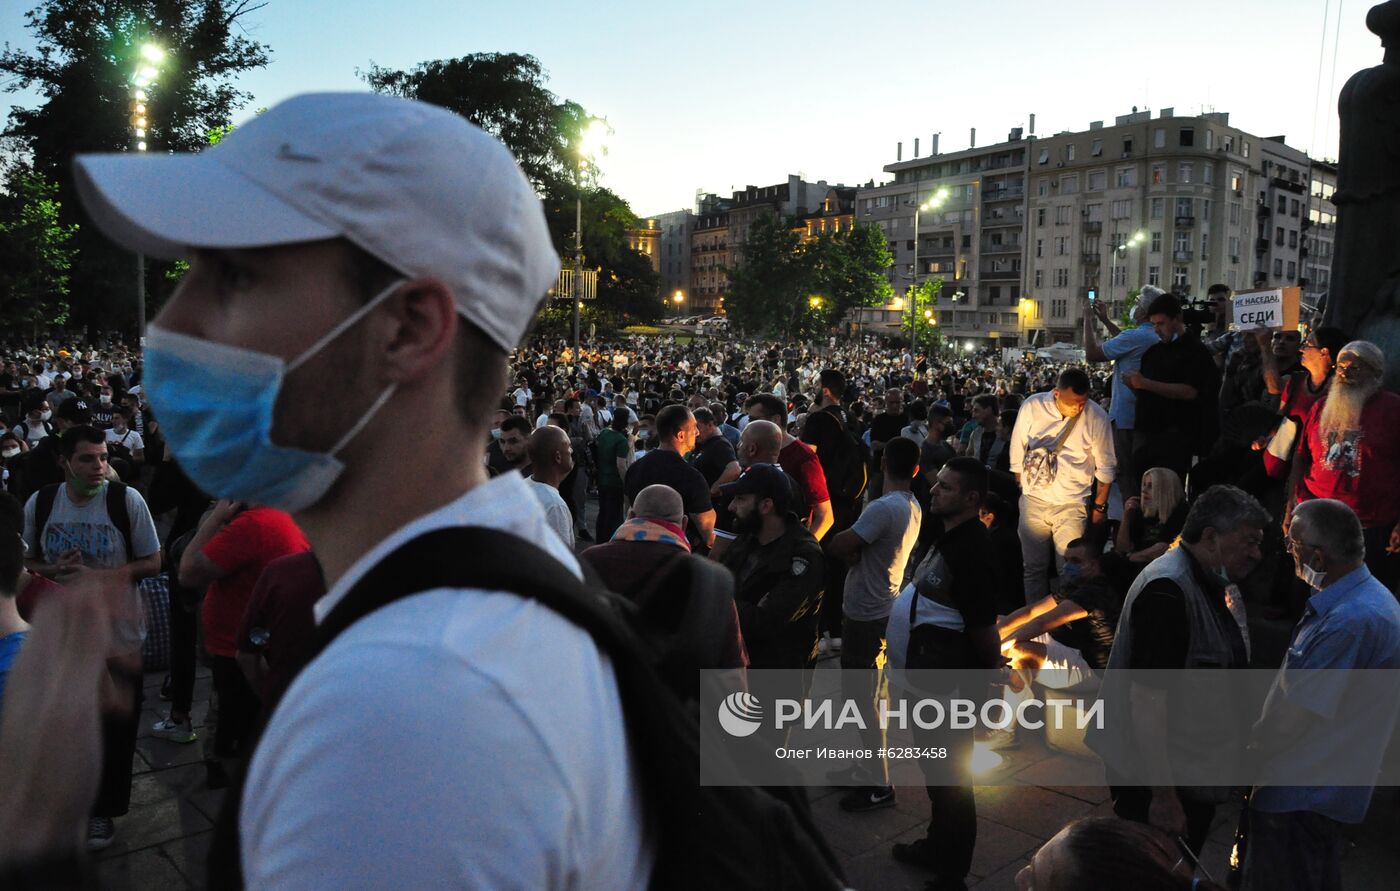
[(1291, 545)]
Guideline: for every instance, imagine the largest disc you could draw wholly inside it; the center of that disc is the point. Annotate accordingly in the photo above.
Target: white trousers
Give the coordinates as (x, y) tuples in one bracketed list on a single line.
[(1042, 525)]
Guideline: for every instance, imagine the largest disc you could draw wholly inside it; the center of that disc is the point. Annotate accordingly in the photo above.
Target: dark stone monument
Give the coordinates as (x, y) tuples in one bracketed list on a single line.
[(1364, 298)]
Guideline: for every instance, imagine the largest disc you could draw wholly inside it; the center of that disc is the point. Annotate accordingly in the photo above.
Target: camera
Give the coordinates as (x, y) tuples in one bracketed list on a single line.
[(1198, 312)]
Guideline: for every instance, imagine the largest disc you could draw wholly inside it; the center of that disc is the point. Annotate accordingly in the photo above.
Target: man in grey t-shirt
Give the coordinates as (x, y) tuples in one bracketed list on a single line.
[(878, 545)]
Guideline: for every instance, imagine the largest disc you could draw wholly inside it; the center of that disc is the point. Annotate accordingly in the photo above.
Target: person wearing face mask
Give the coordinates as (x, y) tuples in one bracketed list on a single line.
[(35, 425), (1183, 611), (392, 241), (1177, 388), (103, 409), (1297, 834)]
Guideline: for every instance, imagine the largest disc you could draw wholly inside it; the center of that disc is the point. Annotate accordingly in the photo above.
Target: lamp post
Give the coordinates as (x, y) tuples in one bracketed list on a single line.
[(678, 298), (590, 144), (143, 78), (1027, 305), (936, 200), (1120, 249)]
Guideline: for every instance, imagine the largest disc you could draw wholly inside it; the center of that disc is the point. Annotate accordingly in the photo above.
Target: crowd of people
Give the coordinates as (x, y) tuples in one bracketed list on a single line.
[(760, 505)]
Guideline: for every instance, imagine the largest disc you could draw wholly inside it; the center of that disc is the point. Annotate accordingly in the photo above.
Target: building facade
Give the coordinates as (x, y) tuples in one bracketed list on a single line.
[(1280, 248), (646, 240), (973, 239), (1168, 201), (1320, 232), (673, 251)]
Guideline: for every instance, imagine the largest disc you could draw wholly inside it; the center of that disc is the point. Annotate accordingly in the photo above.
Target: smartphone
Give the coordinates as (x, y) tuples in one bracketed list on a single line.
[(1093, 295)]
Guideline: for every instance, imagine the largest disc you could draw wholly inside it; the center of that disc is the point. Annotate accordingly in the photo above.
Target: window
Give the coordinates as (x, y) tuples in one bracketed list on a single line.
[(1231, 278), (1040, 278), (1159, 138), (1062, 213), (1244, 147), (1184, 207), (1120, 276), (1158, 206), (1089, 277), (1282, 207), (1127, 146), (1154, 276), (1159, 174), (1182, 241), (1040, 216), (1122, 209), (1181, 276), (1062, 278), (1098, 180), (1040, 247), (1096, 150), (1045, 156), (1203, 278), (994, 296), (1278, 236), (1091, 244), (1293, 208), (1210, 142), (1062, 246), (1278, 268), (1069, 152), (1237, 182), (1292, 239), (1183, 173), (1069, 184), (1205, 211), (1234, 213), (1042, 187), (1234, 248), (1186, 136), (1127, 177), (1094, 213), (1208, 171), (1156, 243), (1205, 245), (1292, 270)]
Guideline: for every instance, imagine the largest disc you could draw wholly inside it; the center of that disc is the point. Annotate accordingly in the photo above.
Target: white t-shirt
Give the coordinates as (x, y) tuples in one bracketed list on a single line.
[(131, 439), (455, 739), (555, 510)]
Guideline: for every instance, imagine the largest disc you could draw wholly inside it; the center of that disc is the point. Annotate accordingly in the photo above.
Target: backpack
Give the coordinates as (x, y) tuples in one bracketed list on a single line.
[(732, 837), (116, 511), (847, 468)]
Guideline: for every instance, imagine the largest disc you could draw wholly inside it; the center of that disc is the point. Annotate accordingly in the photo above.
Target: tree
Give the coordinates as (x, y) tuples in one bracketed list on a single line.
[(87, 52), (505, 95), (771, 287), (36, 253), (922, 319), (848, 270)]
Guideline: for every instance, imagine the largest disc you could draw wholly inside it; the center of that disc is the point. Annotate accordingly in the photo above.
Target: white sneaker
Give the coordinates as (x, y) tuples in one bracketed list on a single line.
[(182, 732), (1001, 740), (835, 645)]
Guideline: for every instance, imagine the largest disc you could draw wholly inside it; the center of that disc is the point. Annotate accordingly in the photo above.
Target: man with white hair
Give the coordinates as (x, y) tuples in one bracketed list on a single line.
[(1124, 349), (1317, 712), (1351, 452)]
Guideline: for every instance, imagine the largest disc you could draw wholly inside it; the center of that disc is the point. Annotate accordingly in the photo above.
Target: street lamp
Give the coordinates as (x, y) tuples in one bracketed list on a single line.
[(141, 80), (1121, 249), (935, 201), (678, 298), (814, 302), (590, 144), (1027, 306)]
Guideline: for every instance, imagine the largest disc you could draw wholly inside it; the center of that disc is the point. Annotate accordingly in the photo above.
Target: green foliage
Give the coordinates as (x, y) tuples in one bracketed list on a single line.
[(36, 253), (86, 54), (1126, 320), (773, 287), (925, 296), (505, 95)]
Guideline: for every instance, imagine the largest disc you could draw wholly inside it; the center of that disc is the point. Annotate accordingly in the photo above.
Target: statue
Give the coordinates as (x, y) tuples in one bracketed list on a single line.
[(1364, 298)]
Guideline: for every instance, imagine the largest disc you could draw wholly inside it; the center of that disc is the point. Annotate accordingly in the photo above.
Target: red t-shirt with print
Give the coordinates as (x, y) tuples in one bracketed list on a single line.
[(1360, 467)]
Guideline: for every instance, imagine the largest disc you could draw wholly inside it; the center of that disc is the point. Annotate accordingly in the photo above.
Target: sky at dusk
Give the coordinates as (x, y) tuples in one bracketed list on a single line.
[(720, 94)]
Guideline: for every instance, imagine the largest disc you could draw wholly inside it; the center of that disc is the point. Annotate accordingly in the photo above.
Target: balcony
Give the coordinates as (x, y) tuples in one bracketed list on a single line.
[(1002, 249), (1260, 277), (1185, 222), (1307, 224), (1181, 256), (1091, 259), (1261, 245), (1003, 194), (1264, 210), (992, 273), (1287, 185), (1093, 226), (1304, 282)]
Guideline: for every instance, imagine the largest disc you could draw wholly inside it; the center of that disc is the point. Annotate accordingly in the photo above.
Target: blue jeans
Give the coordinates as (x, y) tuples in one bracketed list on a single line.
[(1296, 851)]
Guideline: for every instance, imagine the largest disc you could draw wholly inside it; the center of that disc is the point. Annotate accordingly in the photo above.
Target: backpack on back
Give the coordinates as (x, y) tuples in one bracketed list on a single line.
[(116, 511), (732, 837), (847, 467)]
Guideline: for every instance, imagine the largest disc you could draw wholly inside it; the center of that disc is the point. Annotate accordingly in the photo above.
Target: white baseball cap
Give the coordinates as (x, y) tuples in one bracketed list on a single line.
[(412, 184)]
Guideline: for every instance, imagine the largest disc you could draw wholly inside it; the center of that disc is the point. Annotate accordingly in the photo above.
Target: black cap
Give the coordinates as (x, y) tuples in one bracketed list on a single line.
[(75, 411), (765, 481)]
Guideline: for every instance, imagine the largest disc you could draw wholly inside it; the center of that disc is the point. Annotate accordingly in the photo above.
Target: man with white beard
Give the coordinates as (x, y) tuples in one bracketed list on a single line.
[(1351, 452)]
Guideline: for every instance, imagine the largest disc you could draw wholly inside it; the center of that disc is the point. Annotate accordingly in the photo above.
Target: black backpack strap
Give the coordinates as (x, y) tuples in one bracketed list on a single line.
[(43, 509), (118, 514)]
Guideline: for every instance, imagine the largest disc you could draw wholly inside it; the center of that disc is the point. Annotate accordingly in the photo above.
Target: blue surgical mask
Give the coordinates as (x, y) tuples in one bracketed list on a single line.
[(216, 407), (1072, 572)]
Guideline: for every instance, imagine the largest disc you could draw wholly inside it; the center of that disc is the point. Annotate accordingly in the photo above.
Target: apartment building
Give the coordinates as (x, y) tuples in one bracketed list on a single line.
[(1188, 185), (1320, 232), (673, 251), (722, 225), (1281, 250), (973, 238), (836, 213)]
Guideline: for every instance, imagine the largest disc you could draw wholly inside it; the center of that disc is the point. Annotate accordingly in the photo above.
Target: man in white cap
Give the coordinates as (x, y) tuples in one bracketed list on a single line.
[(459, 737)]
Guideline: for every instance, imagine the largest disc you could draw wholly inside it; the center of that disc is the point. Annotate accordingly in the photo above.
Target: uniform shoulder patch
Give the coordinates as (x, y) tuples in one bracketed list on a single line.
[(799, 565)]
